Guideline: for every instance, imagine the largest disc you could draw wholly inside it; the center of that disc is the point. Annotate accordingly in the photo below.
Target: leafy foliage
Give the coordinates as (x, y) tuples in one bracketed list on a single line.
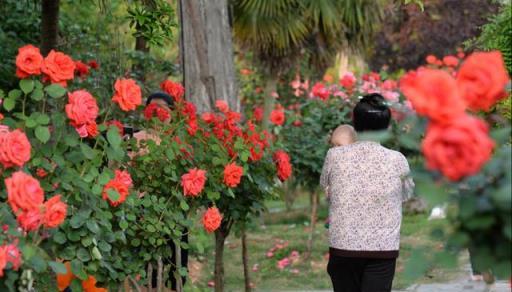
[(408, 35)]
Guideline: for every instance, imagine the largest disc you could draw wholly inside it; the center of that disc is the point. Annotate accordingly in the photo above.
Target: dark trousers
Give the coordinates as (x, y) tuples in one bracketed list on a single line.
[(361, 274)]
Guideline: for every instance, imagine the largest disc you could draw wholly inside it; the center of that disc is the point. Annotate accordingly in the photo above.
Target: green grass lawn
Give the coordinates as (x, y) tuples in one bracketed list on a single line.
[(292, 228)]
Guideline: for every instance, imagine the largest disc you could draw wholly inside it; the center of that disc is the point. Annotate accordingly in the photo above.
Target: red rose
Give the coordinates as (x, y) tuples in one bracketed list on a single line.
[(30, 220), (81, 108), (459, 148), (128, 94), (23, 192), (319, 90), (232, 174), (14, 148), (28, 61), (208, 117), (451, 61), (55, 212), (13, 256), (193, 182), (119, 186), (81, 69), (433, 93), (284, 167), (297, 123), (277, 117), (174, 89), (258, 114), (431, 59), (3, 259), (59, 67), (222, 105), (482, 79), (162, 114), (192, 127), (124, 177), (41, 173), (212, 219), (348, 81), (93, 64)]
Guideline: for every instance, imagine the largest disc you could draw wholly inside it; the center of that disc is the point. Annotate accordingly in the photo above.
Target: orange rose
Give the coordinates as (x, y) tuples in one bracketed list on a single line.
[(89, 285), (55, 212), (482, 79), (232, 174), (128, 94), (81, 108), (23, 192), (174, 89), (59, 67), (92, 129), (212, 219), (119, 186), (433, 93), (459, 148), (28, 61), (193, 182), (64, 280), (14, 148)]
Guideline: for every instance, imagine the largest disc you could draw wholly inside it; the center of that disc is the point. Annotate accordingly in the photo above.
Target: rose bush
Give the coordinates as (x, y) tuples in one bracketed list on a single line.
[(55, 165)]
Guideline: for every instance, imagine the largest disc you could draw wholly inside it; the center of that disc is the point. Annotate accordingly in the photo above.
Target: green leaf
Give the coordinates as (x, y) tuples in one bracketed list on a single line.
[(76, 285), (42, 134), (123, 224), (37, 94), (113, 195), (77, 268), (15, 93), (83, 255), (96, 254), (58, 268), (9, 104), (59, 237), (93, 226), (27, 85), (86, 241), (38, 264), (184, 206), (30, 123), (113, 137), (87, 151), (104, 246), (55, 90), (43, 119)]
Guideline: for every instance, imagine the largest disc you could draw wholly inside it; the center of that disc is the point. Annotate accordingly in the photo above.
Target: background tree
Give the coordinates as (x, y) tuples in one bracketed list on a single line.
[(49, 25), (279, 32), (207, 54), (409, 34)]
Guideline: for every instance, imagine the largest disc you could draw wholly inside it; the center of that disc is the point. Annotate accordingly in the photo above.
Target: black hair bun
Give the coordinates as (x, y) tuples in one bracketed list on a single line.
[(375, 100), (163, 96)]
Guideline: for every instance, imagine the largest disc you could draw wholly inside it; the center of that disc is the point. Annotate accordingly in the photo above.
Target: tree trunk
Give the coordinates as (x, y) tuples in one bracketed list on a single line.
[(179, 282), (49, 25), (207, 54), (219, 260), (314, 207), (269, 100), (245, 260)]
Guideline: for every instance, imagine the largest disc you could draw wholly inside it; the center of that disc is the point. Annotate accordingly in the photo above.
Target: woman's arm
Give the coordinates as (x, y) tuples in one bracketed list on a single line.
[(324, 176)]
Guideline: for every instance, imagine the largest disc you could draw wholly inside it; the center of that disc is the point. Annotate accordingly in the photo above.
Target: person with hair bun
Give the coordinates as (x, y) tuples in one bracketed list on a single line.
[(366, 184)]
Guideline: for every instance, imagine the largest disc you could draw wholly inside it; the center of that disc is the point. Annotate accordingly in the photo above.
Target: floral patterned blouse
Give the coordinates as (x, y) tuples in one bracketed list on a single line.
[(366, 185)]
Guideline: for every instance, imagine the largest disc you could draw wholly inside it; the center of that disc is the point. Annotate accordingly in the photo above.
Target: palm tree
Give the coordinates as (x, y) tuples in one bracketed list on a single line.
[(279, 32)]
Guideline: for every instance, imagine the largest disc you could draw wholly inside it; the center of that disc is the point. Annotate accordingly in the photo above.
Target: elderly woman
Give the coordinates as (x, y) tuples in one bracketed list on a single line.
[(366, 185)]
